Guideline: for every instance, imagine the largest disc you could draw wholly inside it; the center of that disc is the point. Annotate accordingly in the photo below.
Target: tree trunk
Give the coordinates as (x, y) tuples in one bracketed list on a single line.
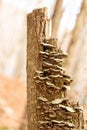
[(57, 17), (36, 32), (77, 61), (74, 48)]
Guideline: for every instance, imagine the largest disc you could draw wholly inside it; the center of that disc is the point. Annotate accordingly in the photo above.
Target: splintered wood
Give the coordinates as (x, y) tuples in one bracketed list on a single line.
[(47, 105)]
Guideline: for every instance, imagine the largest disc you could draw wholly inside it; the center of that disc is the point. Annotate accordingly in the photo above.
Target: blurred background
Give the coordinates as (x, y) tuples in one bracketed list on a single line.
[(69, 25)]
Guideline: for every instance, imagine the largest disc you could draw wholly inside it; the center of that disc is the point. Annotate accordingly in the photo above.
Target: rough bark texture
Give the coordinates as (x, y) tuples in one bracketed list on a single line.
[(36, 31), (48, 107)]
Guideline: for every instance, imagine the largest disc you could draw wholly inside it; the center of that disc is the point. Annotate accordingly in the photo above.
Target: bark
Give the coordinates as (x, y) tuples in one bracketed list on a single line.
[(57, 17), (36, 31)]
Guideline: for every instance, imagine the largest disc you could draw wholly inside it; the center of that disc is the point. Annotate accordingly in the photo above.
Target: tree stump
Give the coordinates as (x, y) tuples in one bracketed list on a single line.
[(47, 82)]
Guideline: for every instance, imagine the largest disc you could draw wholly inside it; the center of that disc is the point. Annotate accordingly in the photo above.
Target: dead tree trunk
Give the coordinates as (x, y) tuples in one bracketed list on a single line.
[(36, 32), (48, 108)]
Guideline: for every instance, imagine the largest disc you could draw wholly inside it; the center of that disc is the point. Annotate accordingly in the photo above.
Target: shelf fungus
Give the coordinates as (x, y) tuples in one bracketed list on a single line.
[(51, 85), (48, 45), (58, 101), (47, 64), (42, 99), (56, 60), (55, 109), (44, 53), (70, 109), (63, 123), (41, 78), (57, 55)]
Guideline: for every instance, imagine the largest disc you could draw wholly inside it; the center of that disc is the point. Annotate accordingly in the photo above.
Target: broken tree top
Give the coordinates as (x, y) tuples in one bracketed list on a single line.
[(47, 82)]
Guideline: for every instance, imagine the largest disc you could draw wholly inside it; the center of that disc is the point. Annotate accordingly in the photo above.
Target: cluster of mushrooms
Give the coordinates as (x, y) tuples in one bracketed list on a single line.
[(54, 110)]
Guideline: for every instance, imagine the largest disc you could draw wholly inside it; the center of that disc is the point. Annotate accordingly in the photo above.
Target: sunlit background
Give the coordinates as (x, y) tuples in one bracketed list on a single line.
[(71, 32)]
